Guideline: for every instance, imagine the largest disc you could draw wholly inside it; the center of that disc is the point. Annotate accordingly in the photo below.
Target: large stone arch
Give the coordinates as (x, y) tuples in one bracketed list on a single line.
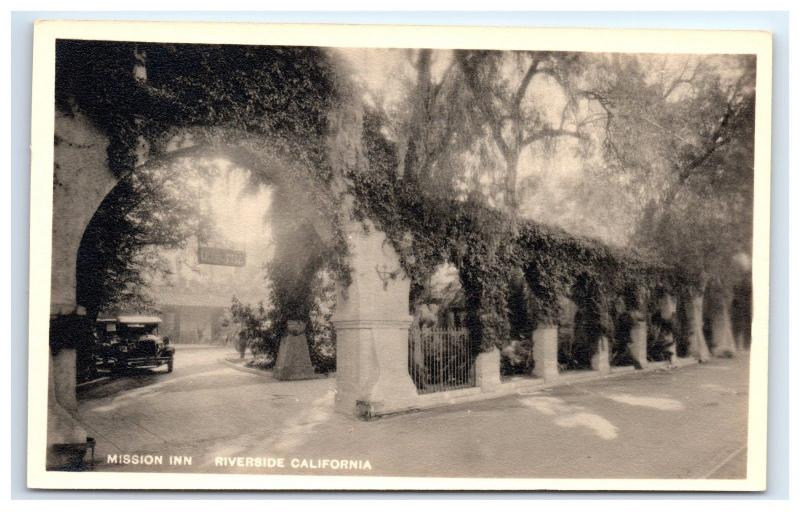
[(371, 318)]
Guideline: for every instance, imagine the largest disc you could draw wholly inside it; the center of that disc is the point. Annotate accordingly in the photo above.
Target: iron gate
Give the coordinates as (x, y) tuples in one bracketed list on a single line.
[(440, 359)]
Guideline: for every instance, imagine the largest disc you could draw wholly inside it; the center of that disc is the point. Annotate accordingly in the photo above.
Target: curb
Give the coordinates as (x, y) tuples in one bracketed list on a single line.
[(591, 376), (97, 381), (525, 386), (189, 347), (258, 372), (266, 373)]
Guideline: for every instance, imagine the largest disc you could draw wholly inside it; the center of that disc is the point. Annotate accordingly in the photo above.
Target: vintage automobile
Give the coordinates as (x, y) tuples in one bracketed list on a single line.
[(132, 341)]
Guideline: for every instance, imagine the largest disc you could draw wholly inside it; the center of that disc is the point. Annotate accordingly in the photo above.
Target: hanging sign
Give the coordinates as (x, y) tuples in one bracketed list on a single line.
[(220, 256)]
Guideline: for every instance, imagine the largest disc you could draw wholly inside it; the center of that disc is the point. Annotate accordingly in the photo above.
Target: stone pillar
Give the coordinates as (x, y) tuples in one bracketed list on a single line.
[(638, 344), (721, 332), (545, 352), (742, 341), (62, 428), (667, 309), (600, 357), (64, 378), (372, 322), (698, 348), (62, 406), (487, 370), (81, 181)]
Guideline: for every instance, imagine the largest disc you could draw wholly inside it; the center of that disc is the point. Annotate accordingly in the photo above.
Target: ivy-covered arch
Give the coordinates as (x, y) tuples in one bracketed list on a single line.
[(287, 114)]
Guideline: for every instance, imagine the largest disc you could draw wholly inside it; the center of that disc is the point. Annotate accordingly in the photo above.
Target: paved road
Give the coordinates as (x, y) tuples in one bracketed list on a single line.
[(683, 423)]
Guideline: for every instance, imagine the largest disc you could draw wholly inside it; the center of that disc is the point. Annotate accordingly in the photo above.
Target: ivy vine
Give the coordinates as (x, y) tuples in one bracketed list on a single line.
[(293, 102)]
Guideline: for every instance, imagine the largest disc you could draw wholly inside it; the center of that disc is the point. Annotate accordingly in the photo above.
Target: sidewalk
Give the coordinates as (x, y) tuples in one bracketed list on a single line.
[(680, 423)]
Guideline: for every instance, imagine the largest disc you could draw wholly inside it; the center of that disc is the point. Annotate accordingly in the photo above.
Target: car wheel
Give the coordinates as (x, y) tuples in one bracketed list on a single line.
[(169, 365)]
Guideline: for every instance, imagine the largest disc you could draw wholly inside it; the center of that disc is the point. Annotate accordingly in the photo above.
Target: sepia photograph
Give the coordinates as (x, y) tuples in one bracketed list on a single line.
[(340, 257)]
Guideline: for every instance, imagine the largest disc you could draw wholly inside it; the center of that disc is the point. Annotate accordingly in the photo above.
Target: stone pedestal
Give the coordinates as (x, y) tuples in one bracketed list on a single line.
[(372, 368), (372, 322), (667, 306), (294, 361), (638, 344), (545, 352), (487, 370), (600, 357)]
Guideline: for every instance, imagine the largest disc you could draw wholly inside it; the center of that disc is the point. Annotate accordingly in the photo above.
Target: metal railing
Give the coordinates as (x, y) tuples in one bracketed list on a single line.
[(440, 359)]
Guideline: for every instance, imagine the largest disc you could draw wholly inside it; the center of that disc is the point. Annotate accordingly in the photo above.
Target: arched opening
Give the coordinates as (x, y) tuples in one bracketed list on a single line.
[(666, 325), (628, 313), (441, 347), (293, 119), (568, 356), (576, 353), (439, 299), (620, 353), (160, 242), (516, 357), (590, 345)]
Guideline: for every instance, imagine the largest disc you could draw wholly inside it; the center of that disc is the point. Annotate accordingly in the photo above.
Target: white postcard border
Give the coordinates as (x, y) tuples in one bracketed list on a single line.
[(381, 36)]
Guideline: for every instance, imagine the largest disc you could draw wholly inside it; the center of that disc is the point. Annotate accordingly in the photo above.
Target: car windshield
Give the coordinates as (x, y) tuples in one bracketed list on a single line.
[(134, 331)]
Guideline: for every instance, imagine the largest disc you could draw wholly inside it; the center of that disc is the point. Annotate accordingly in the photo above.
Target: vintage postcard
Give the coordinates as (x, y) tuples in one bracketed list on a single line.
[(398, 258)]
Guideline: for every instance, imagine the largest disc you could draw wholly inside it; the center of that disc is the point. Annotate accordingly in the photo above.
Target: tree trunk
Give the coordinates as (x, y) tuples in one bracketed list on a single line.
[(697, 341), (512, 163)]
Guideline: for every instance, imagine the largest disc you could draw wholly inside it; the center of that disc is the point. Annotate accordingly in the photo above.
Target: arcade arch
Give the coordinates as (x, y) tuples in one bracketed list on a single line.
[(370, 314)]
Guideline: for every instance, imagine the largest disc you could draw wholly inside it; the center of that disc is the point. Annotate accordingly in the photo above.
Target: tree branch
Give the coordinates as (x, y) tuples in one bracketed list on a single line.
[(549, 133), (438, 86), (681, 79), (715, 141), (526, 81)]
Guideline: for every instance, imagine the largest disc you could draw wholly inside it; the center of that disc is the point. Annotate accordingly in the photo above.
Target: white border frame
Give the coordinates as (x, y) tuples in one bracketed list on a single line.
[(382, 36)]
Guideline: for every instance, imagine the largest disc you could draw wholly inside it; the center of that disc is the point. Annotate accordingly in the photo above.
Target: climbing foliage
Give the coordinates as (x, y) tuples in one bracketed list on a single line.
[(288, 115)]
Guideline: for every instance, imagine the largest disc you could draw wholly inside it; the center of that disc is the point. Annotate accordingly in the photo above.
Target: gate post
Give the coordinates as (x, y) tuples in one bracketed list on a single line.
[(372, 322), (487, 370), (638, 344), (600, 357), (545, 352)]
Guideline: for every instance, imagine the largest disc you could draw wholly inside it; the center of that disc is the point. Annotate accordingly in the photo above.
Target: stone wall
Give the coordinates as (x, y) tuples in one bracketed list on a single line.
[(81, 180)]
